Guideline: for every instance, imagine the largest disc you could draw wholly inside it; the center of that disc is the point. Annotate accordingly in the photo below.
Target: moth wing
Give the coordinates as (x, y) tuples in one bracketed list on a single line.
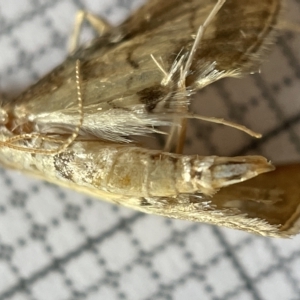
[(236, 39), (122, 88), (267, 204)]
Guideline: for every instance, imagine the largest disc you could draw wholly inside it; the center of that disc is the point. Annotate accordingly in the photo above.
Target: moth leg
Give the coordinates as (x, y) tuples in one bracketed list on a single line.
[(224, 122), (100, 25), (180, 133), (199, 36), (170, 141)]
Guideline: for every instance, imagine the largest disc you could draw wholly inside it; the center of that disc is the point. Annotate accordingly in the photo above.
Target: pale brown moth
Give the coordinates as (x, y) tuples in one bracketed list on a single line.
[(79, 126)]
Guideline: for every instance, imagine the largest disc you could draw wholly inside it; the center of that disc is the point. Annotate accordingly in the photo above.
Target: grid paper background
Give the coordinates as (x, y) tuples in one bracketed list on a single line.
[(56, 244)]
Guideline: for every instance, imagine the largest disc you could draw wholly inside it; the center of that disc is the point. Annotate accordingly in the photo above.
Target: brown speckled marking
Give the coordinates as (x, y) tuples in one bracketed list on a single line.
[(131, 61), (160, 156), (157, 156), (152, 95), (62, 165), (144, 202), (129, 82)]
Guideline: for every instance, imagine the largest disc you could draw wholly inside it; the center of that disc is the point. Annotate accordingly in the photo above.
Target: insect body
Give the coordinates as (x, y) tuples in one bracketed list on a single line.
[(78, 126)]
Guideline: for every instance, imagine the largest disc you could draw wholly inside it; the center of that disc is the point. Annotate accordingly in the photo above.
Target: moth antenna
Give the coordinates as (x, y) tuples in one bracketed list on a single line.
[(65, 144), (9, 142), (74, 135), (28, 136)]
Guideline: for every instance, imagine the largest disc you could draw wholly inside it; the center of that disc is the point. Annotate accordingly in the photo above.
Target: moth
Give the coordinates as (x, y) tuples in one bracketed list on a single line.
[(80, 126)]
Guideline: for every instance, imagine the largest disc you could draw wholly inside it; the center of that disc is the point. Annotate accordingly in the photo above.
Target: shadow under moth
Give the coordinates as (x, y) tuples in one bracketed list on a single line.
[(80, 125)]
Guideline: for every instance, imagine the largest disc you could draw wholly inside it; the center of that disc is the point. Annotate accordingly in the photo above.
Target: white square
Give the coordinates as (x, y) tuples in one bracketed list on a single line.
[(19, 296), (57, 15), (9, 55), (151, 231), (13, 225), (117, 251), (33, 35), (65, 238), (203, 244), (242, 295), (192, 289), (51, 287), (138, 284), (294, 267), (7, 277), (104, 292), (235, 237), (256, 257), (286, 247), (84, 271), (276, 286), (12, 12), (44, 206), (170, 264), (223, 277), (98, 217), (31, 258)]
